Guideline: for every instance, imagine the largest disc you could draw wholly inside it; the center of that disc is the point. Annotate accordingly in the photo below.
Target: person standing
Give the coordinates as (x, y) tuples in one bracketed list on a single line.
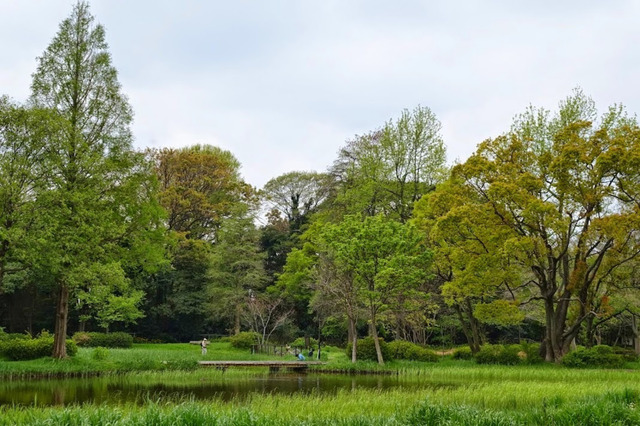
[(203, 345)]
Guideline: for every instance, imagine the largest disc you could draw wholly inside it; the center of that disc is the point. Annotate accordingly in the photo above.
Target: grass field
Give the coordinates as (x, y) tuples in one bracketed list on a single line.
[(462, 393)]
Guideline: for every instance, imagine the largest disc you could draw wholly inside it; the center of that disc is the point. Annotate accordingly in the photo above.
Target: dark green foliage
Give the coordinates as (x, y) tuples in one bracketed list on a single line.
[(488, 354), (300, 343), (20, 349), (532, 352), (244, 340), (510, 355), (401, 349), (627, 354), (105, 340), (366, 350), (499, 354), (14, 336), (463, 353), (598, 356), (100, 353)]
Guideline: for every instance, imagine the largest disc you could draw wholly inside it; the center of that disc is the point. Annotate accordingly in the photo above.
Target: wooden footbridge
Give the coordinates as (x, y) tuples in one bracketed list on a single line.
[(273, 365)]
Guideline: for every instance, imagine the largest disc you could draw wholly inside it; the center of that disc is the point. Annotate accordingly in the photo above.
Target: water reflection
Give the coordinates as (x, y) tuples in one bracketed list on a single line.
[(121, 389)]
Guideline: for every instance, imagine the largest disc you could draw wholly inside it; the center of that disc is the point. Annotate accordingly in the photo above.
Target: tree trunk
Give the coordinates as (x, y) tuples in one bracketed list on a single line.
[(472, 338), (236, 321), (374, 333), (636, 336), (354, 339), (62, 314), (350, 329), (475, 325), (553, 338), (590, 332)]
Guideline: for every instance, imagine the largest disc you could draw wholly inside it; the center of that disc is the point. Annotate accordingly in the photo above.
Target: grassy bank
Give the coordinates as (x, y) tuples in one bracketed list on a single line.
[(141, 357), (185, 357), (450, 392), (360, 408)]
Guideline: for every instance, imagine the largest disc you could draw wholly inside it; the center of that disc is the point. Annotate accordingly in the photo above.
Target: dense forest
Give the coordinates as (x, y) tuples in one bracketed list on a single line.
[(535, 237)]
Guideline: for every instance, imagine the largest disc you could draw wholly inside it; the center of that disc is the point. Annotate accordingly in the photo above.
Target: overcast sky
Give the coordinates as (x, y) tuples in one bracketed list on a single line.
[(283, 84)]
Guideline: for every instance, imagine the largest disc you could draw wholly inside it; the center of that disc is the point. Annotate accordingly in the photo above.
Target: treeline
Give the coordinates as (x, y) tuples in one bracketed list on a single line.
[(534, 237)]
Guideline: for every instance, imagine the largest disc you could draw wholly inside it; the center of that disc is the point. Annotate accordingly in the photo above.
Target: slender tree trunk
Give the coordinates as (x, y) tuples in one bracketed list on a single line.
[(636, 335), (374, 333), (236, 320), (62, 314), (354, 339)]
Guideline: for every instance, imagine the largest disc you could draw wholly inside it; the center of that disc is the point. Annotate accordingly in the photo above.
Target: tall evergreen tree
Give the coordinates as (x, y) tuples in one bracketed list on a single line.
[(98, 195)]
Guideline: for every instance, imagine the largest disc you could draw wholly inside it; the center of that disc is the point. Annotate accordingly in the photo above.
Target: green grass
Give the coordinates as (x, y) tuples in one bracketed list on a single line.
[(141, 357), (347, 408), (452, 392)]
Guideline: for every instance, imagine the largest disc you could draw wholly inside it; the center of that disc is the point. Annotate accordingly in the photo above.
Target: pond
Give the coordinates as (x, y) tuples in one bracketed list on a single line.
[(202, 385)]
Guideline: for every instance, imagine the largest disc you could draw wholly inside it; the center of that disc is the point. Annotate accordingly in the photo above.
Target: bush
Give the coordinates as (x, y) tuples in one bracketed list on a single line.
[(401, 349), (300, 343), (463, 353), (244, 339), (510, 355), (499, 354), (597, 356), (532, 352), (105, 340), (14, 336), (489, 354), (627, 354), (81, 338), (366, 349), (418, 353), (100, 353), (26, 349)]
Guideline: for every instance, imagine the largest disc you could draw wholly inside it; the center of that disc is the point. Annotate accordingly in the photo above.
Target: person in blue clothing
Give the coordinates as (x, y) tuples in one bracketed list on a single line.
[(301, 357)]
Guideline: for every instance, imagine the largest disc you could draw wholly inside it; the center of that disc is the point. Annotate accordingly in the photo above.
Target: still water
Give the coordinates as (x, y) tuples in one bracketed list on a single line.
[(198, 386)]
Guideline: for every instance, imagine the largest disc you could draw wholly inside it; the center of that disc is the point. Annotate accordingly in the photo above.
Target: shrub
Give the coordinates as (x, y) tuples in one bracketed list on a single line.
[(105, 340), (627, 354), (489, 354), (418, 353), (14, 336), (300, 343), (100, 353), (401, 349), (597, 356), (244, 339), (72, 348), (510, 355), (81, 338), (499, 354), (463, 353), (532, 352), (366, 349), (26, 349)]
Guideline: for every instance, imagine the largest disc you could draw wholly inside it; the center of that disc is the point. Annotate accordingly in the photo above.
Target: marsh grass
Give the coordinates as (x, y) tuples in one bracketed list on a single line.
[(454, 392), (364, 408), (141, 357)]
